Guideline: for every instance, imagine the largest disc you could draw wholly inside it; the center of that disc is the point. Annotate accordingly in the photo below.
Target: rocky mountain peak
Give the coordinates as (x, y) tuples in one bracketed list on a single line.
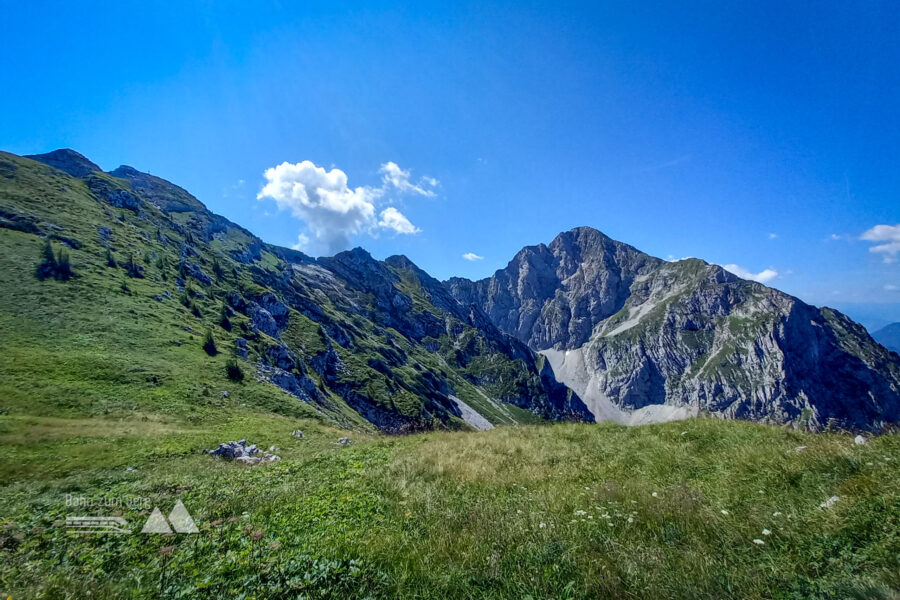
[(68, 160), (640, 339), (163, 194)]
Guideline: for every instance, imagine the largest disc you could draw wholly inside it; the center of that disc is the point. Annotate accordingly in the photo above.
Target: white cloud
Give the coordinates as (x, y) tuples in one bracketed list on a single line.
[(772, 236), (890, 287), (302, 242), (888, 237), (763, 276), (391, 218), (333, 211), (472, 256), (393, 176)]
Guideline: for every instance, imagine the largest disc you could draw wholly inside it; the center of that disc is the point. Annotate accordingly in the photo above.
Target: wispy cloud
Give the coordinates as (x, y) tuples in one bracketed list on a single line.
[(665, 164), (887, 241), (472, 256), (763, 276), (393, 176)]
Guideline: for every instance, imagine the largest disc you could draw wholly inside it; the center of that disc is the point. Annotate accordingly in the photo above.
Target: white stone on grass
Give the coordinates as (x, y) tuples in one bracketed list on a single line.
[(830, 502)]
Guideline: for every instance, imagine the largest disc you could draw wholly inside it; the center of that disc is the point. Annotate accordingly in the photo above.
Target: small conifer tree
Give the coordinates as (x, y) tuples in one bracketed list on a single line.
[(209, 343)]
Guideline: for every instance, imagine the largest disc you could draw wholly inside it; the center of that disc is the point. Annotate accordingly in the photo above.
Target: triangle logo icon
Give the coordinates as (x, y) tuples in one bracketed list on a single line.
[(181, 519), (156, 523)]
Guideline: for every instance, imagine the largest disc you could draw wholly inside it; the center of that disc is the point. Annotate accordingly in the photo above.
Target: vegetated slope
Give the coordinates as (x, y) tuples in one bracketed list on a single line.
[(641, 340), (351, 339), (889, 337), (705, 509)]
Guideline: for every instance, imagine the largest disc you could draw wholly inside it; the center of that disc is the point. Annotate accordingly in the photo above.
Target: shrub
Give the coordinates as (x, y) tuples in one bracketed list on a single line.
[(217, 269), (234, 371), (209, 343), (63, 266), (195, 310), (47, 267), (57, 266), (224, 321), (133, 269), (110, 259)]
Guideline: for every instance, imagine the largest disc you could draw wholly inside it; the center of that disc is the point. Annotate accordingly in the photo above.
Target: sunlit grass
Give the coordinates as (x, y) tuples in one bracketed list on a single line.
[(576, 511)]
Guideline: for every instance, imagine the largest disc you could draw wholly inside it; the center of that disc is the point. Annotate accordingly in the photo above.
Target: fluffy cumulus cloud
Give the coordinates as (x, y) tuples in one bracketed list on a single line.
[(886, 239), (472, 256), (393, 219), (763, 276), (333, 211)]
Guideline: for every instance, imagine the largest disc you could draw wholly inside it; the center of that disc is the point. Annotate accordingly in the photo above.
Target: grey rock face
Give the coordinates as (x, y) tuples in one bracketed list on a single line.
[(196, 272), (275, 307), (233, 450), (282, 357), (554, 295), (642, 340), (165, 195), (104, 234), (112, 195), (262, 320)]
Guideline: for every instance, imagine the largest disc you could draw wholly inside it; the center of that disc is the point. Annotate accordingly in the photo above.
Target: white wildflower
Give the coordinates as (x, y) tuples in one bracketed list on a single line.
[(580, 512), (655, 495), (766, 532), (758, 542), (542, 525), (723, 511), (631, 519), (776, 514)]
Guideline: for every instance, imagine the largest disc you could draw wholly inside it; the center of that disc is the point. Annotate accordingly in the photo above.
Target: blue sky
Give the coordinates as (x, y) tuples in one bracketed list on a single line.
[(692, 130)]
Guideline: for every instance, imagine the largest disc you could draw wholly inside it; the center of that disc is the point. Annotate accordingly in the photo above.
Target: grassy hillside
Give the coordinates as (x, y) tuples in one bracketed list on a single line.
[(106, 392), (554, 511)]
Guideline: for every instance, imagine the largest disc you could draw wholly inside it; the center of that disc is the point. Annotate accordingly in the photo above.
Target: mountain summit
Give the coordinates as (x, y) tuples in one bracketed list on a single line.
[(640, 339), (586, 328)]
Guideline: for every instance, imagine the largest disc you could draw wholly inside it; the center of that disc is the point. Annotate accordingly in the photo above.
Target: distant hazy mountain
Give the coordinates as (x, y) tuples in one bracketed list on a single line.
[(889, 337)]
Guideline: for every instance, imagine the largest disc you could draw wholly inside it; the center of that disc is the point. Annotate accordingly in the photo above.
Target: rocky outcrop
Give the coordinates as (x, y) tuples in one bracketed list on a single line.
[(166, 196), (112, 194)]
